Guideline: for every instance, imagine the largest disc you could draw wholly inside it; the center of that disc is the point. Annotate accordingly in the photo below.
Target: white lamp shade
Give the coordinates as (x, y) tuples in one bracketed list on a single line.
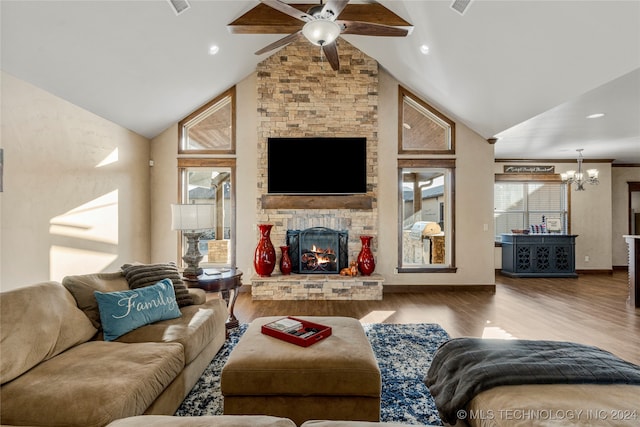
[(192, 217), (321, 31)]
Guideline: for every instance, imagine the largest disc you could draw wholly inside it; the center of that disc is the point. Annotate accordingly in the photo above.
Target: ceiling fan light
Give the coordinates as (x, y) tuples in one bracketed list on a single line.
[(321, 31)]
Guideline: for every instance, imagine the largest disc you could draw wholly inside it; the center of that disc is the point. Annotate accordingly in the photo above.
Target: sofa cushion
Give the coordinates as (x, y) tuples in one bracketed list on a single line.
[(194, 329), (141, 275), (199, 296), (204, 421), (124, 311), (37, 323), (83, 286), (91, 385)]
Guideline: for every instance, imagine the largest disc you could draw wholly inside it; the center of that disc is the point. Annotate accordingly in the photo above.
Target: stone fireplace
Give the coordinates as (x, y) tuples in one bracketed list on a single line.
[(299, 95)]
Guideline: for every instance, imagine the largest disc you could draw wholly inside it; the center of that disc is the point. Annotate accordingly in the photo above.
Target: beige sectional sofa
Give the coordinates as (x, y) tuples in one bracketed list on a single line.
[(56, 370), (240, 421)]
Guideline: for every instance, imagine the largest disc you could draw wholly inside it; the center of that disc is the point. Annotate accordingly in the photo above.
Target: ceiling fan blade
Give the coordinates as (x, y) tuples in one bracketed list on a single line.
[(279, 43), (335, 6), (331, 53), (370, 29), (288, 10)]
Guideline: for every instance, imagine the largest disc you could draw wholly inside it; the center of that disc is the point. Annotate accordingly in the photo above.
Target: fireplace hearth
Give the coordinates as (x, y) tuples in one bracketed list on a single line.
[(318, 250)]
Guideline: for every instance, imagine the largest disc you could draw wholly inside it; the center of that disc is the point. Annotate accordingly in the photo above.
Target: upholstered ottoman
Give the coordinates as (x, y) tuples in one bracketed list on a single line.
[(334, 379)]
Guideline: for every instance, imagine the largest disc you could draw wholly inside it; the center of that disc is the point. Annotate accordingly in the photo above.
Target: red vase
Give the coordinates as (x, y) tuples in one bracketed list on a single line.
[(366, 263), (285, 261), (264, 260)]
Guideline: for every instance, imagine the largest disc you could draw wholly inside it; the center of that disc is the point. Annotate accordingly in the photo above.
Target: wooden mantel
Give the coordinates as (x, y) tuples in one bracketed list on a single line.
[(358, 201)]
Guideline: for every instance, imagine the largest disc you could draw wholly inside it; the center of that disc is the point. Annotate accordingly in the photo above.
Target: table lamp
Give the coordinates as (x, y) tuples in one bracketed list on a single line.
[(192, 220)]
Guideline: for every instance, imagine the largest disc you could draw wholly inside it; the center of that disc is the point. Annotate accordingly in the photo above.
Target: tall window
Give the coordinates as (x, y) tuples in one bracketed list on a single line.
[(211, 182), (209, 178), (426, 196), (426, 212), (518, 205)]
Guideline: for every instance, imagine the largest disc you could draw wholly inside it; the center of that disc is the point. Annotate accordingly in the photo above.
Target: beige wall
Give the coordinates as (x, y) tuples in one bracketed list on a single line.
[(590, 217), (76, 189), (620, 214), (164, 192)]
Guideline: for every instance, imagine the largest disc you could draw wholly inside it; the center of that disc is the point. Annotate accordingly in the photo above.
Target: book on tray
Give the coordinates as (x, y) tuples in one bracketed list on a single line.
[(296, 331)]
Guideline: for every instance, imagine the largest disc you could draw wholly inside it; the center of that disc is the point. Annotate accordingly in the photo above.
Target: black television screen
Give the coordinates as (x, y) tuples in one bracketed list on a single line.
[(317, 165)]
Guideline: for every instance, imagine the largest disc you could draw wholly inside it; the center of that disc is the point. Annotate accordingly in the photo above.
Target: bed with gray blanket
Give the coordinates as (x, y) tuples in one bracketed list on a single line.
[(521, 382)]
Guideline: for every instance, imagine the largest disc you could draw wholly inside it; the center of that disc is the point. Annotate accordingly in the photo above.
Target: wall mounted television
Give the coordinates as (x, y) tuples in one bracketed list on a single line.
[(317, 165)]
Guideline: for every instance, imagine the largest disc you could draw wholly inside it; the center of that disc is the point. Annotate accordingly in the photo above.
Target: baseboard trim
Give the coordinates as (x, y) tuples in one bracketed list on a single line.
[(595, 271), (620, 268), (615, 268), (389, 289)]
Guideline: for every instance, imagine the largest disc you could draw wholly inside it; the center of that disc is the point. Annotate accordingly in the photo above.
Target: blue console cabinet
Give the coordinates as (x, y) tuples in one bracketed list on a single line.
[(538, 255)]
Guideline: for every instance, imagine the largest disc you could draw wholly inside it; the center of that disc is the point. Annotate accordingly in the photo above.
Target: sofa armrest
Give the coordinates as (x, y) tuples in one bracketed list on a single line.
[(198, 295)]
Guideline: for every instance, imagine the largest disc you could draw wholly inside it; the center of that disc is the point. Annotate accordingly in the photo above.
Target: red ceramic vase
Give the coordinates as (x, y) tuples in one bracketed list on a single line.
[(264, 260), (285, 261), (366, 263)]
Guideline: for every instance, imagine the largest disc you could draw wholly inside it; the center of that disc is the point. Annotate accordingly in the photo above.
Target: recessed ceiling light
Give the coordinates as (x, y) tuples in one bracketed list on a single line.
[(595, 116), (424, 49), (213, 49)]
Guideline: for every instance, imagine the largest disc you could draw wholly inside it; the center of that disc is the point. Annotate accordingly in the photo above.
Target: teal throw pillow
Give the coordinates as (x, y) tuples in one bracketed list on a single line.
[(124, 311)]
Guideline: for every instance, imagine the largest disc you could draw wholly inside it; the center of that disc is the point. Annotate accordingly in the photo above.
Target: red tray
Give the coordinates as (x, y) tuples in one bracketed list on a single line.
[(323, 332)]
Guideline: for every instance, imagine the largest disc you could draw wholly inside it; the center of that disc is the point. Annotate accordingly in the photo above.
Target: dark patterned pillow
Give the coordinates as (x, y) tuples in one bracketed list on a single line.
[(142, 275)]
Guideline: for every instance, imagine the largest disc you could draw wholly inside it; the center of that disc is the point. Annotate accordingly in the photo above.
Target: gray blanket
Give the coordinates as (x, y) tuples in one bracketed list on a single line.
[(464, 367)]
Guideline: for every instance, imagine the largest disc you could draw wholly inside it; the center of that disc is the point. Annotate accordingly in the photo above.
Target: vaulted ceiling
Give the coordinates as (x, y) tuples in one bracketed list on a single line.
[(527, 72)]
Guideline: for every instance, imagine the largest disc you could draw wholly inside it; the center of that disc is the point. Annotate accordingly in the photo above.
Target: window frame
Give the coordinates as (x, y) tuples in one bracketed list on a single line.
[(185, 164), (186, 122), (437, 116), (450, 192), (534, 178)]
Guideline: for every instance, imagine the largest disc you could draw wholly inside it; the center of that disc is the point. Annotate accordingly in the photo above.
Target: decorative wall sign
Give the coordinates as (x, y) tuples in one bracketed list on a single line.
[(528, 169), (554, 225)]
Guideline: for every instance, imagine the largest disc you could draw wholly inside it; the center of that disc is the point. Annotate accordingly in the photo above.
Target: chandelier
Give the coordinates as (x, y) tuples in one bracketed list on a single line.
[(579, 178)]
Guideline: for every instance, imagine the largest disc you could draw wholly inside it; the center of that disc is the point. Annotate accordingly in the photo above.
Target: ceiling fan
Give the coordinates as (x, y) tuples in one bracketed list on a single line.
[(322, 27)]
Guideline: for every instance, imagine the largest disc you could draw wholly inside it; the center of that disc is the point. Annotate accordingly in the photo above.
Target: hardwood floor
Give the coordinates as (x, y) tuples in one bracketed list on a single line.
[(592, 310)]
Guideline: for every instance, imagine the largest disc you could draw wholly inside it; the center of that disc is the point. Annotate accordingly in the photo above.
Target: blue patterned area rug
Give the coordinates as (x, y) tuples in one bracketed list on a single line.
[(404, 354)]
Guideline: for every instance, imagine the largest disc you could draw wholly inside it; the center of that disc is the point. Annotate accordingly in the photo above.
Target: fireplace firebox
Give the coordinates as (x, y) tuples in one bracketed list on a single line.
[(318, 250)]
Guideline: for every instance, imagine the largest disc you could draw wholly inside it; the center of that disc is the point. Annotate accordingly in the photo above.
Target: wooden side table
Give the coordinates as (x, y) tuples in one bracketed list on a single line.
[(224, 281)]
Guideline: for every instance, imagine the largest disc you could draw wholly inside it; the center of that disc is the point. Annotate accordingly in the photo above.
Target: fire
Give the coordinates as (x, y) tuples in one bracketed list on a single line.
[(321, 256), (323, 259)]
